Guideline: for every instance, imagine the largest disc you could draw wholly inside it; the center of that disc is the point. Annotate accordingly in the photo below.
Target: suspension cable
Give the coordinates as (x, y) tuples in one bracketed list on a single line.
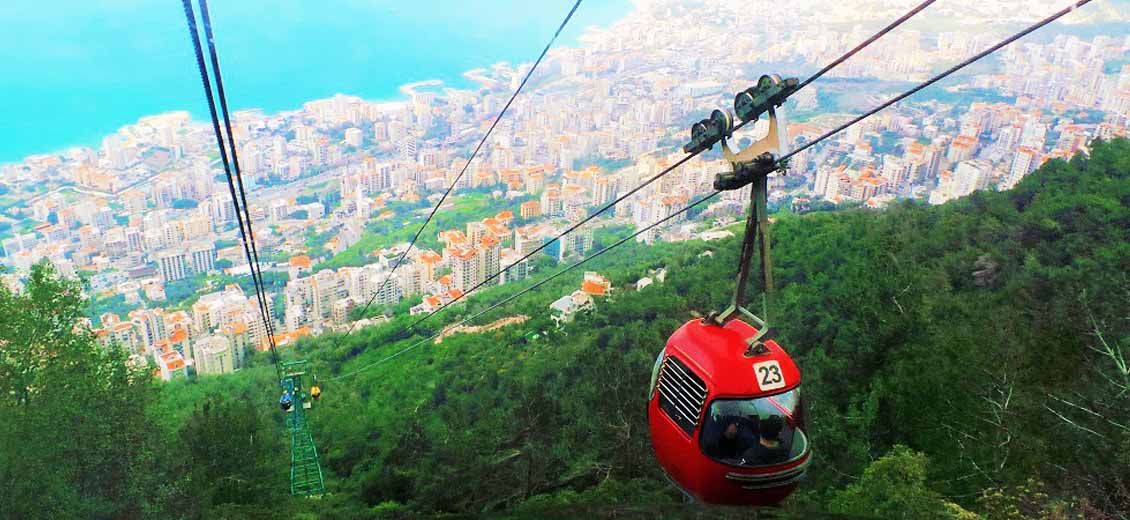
[(412, 243), (257, 272), (1051, 18), (779, 161), (909, 14), (530, 288), (193, 32)]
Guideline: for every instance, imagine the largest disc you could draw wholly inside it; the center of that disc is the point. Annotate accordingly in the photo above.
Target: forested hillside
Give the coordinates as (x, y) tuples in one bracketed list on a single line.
[(960, 361)]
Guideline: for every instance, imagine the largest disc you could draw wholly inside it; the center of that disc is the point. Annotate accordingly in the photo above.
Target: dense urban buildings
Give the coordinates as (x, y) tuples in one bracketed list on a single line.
[(146, 217)]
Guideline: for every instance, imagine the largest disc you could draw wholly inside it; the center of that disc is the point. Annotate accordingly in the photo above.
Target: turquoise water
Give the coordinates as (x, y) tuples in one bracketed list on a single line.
[(77, 70)]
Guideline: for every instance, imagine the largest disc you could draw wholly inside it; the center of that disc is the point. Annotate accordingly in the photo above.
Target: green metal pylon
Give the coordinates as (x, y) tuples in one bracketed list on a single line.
[(306, 477)]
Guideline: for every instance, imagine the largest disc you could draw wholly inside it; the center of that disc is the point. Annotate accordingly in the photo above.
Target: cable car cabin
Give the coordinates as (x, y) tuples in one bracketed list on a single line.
[(727, 427)]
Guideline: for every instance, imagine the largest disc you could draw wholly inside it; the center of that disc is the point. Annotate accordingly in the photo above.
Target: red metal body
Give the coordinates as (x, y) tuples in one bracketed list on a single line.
[(717, 355)]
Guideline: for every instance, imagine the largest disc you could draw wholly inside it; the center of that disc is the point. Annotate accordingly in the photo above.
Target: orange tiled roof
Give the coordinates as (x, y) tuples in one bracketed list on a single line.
[(593, 288), (499, 229), (452, 236), (300, 261), (463, 254), (965, 141), (430, 257), (178, 336), (172, 360)]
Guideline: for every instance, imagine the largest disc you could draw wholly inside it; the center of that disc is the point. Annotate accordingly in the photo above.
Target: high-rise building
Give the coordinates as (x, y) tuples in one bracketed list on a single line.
[(203, 256), (406, 147), (551, 202), (213, 355), (356, 281), (148, 325), (604, 191), (104, 218), (114, 148), (172, 366), (134, 239), (326, 289), (172, 265), (24, 242), (970, 176), (962, 148), (489, 253), (1025, 161), (464, 268), (239, 338), (341, 310), (221, 210), (530, 209), (134, 201), (412, 278), (353, 137), (1034, 134)]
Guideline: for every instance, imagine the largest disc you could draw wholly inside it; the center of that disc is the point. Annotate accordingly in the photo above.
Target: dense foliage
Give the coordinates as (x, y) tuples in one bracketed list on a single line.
[(960, 361)]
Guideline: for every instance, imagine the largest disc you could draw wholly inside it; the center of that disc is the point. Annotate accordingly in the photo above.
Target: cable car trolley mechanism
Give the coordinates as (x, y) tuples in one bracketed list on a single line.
[(724, 406)]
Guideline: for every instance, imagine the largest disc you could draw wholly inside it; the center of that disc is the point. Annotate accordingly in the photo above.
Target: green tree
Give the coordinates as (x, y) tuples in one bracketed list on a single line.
[(894, 486), (75, 440), (234, 453), (1028, 500)]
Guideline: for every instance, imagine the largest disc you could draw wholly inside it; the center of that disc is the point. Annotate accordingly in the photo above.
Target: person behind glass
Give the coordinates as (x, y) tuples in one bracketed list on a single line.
[(737, 435), (769, 448)]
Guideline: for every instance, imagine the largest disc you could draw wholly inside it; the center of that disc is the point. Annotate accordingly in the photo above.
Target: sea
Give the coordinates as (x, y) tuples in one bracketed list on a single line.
[(76, 71)]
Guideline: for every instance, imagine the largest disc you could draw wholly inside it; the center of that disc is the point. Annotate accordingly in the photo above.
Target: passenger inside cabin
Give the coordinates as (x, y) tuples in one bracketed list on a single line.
[(769, 448), (735, 437)]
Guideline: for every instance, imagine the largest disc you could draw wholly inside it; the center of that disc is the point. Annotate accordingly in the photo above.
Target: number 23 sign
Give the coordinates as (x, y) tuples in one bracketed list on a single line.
[(768, 375)]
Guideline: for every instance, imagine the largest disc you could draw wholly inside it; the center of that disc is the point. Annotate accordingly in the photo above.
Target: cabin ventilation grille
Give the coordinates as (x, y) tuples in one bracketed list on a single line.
[(681, 394)]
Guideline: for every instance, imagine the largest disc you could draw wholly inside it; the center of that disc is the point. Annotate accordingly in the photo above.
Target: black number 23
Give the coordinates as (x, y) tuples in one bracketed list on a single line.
[(770, 375)]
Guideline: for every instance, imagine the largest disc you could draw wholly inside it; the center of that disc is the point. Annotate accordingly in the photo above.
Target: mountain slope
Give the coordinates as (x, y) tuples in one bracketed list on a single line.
[(958, 360), (964, 331)]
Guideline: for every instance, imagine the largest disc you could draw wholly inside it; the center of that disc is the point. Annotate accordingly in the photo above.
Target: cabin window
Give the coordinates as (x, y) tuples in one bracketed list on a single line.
[(755, 432)]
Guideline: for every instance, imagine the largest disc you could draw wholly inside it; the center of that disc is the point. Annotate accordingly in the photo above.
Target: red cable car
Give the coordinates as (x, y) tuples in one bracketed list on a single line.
[(724, 405), (727, 421)]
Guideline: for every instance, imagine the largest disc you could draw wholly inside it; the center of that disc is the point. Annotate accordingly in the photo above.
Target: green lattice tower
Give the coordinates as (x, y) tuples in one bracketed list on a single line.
[(306, 477)]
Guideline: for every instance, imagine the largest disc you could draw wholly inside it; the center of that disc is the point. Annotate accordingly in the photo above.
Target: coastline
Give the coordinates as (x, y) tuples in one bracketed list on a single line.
[(480, 77)]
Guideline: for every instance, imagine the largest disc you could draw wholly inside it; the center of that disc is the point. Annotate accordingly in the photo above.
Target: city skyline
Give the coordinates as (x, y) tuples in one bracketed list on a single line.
[(335, 183)]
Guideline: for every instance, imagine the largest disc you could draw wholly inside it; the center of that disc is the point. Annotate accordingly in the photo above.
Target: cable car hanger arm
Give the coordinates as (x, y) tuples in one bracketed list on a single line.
[(751, 166)]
